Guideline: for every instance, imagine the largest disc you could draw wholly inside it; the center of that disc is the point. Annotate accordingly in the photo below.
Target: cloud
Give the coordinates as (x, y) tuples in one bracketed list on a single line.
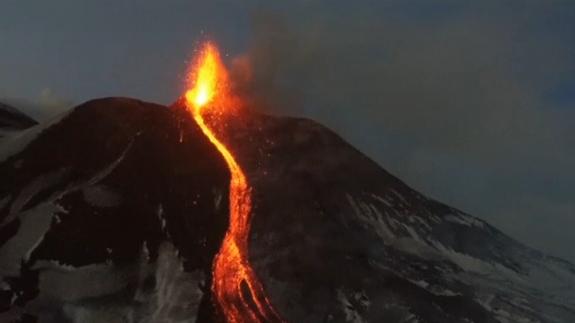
[(453, 100), (52, 103)]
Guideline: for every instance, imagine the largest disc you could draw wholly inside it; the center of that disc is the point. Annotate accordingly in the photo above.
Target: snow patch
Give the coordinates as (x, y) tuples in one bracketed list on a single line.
[(35, 223), (372, 218), (351, 313), (17, 142), (464, 220)]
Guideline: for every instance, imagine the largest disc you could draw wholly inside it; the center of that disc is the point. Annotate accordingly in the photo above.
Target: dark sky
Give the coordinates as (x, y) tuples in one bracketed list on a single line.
[(470, 102)]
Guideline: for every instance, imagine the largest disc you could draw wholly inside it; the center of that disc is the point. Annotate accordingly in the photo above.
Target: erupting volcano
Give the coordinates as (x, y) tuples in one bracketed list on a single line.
[(235, 286), (108, 215)]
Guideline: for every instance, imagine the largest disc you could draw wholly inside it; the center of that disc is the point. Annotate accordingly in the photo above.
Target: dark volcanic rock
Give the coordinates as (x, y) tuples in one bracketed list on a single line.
[(92, 201), (336, 238)]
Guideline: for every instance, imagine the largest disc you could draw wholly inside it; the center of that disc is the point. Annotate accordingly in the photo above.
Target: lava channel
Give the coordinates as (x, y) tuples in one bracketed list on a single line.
[(238, 292)]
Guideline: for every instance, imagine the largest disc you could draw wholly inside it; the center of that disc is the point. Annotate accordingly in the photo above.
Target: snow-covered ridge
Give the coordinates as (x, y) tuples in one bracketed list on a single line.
[(12, 119)]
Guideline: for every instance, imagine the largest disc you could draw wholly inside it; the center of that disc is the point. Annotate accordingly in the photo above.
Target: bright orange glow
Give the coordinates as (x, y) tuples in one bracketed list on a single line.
[(206, 80), (209, 92)]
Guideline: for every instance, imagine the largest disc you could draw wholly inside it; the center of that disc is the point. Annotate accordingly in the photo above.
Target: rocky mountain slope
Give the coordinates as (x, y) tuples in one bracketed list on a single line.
[(90, 203), (114, 212), (12, 120), (353, 243)]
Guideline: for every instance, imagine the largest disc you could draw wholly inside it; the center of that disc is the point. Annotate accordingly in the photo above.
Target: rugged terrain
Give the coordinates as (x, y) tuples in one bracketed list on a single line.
[(114, 211), (13, 120)]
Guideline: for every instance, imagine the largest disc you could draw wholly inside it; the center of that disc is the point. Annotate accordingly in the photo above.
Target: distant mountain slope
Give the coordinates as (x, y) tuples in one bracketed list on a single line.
[(12, 119)]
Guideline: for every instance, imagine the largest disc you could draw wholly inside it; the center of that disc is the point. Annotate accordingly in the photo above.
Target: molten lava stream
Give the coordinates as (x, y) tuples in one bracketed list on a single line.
[(236, 288)]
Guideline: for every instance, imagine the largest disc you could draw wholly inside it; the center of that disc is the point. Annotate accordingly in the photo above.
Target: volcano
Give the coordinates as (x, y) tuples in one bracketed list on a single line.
[(208, 211), (115, 212)]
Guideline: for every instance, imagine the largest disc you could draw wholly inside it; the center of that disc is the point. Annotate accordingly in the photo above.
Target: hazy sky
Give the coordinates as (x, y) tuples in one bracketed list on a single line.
[(471, 102)]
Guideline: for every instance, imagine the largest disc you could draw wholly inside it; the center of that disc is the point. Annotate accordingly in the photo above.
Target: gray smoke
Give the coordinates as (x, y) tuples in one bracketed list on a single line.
[(455, 103)]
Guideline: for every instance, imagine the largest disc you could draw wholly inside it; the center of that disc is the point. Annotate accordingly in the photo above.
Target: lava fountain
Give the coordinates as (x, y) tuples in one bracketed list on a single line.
[(236, 288)]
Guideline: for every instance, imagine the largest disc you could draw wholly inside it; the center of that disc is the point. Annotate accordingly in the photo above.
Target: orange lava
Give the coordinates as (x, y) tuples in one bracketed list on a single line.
[(235, 286)]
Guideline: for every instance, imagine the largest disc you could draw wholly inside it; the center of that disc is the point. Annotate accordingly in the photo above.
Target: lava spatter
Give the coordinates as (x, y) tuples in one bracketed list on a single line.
[(237, 290)]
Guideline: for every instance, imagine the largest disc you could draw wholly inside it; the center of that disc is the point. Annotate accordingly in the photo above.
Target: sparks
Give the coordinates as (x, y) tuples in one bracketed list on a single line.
[(237, 290)]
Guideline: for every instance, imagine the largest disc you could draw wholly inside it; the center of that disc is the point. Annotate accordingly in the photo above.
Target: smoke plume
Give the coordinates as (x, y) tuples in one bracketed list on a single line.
[(457, 104)]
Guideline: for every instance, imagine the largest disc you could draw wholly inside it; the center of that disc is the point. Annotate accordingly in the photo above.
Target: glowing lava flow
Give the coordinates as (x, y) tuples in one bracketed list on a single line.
[(235, 286)]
